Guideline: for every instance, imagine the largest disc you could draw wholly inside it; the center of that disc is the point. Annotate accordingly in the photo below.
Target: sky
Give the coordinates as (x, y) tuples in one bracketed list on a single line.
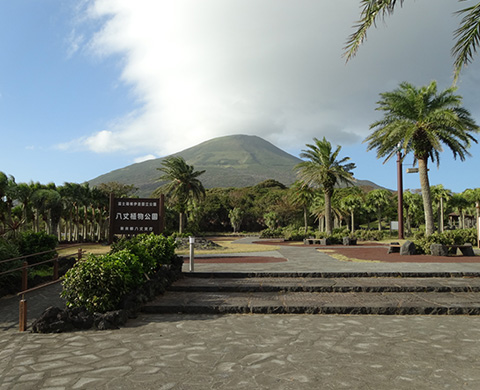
[(90, 86)]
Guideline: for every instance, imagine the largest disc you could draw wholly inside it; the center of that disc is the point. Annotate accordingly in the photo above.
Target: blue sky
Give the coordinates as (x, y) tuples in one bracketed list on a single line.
[(90, 86)]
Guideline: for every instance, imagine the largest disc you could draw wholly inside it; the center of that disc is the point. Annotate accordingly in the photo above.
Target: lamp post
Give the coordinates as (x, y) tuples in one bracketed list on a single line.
[(400, 192)]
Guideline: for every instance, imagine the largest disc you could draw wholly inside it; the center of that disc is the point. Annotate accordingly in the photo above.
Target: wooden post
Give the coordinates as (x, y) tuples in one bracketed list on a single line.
[(55, 268), (79, 254), (22, 324), (25, 276)]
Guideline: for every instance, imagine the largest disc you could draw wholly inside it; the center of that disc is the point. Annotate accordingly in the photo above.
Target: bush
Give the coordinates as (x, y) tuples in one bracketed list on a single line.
[(11, 281), (31, 242), (271, 233), (152, 250), (449, 237), (369, 235), (99, 282)]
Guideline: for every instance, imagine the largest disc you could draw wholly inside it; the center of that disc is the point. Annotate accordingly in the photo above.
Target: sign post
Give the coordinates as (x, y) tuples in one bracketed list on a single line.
[(132, 216)]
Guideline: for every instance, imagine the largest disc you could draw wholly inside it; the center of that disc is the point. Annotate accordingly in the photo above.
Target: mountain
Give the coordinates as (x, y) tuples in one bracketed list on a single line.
[(230, 161)]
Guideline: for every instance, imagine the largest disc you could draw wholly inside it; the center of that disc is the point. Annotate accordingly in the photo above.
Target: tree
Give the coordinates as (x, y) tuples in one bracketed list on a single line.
[(182, 183), (236, 217), (379, 199), (352, 202), (473, 196), (440, 195), (467, 35), (460, 203), (412, 203), (420, 120), (302, 196), (324, 170)]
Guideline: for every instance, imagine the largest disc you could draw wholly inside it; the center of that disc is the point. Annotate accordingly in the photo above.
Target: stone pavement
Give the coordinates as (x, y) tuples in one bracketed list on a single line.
[(172, 351)]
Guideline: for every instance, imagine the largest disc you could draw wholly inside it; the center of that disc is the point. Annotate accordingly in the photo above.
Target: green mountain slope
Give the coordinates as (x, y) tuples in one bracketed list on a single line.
[(230, 161)]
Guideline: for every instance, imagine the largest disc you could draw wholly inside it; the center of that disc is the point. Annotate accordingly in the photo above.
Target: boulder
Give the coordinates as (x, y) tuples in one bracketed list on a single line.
[(408, 249), (349, 241), (438, 250), (325, 241), (467, 250)]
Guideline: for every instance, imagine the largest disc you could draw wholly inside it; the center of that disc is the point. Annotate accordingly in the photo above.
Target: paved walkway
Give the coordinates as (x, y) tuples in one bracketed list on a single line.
[(253, 351)]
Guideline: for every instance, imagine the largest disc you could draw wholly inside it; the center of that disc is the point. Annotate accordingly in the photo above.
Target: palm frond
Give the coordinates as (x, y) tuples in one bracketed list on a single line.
[(468, 38), (371, 12)]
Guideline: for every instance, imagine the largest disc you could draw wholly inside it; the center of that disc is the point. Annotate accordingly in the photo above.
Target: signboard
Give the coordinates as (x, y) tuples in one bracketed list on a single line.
[(132, 216), (393, 225)]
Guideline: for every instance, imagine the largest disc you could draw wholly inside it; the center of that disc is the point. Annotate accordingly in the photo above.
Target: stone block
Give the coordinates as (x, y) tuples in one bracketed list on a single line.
[(349, 241), (408, 249), (467, 250), (438, 250)]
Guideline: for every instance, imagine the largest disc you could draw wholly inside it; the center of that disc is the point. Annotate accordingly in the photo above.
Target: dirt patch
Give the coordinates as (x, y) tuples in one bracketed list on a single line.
[(238, 260), (379, 253)]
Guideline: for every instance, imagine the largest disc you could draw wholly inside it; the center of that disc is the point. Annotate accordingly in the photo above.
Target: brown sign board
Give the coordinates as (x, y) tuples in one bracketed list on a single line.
[(132, 216)]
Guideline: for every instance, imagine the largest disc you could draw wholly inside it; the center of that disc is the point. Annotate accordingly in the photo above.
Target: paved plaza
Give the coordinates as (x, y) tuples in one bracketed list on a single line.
[(186, 351)]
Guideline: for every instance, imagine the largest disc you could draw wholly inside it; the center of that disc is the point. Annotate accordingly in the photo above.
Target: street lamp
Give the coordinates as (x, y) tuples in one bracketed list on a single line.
[(400, 191)]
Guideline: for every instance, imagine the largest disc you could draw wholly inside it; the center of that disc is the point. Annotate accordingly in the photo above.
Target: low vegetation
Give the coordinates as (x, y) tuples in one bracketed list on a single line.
[(101, 281)]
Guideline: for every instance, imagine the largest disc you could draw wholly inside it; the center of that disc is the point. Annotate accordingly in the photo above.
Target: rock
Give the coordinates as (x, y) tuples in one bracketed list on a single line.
[(438, 250), (408, 249), (467, 250), (325, 241), (111, 319), (349, 241)]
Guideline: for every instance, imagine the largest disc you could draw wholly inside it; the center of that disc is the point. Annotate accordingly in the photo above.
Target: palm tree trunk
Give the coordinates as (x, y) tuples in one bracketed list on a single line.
[(180, 222), (352, 217), (440, 218), (305, 218), (427, 200), (328, 212)]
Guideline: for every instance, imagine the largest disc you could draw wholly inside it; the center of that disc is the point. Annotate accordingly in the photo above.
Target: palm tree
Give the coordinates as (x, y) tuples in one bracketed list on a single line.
[(412, 202), (420, 120), (324, 170), (182, 182), (302, 196), (379, 199), (467, 35), (473, 196), (460, 203), (440, 195), (352, 200)]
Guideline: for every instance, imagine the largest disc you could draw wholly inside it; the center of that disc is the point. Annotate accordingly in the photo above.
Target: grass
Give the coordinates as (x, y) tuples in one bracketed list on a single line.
[(96, 249)]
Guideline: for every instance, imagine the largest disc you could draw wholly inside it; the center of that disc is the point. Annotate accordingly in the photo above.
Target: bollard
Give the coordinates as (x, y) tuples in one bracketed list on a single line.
[(22, 323), (192, 242)]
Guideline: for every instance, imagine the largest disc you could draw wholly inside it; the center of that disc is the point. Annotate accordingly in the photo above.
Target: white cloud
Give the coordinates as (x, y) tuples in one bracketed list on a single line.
[(144, 158), (202, 69)]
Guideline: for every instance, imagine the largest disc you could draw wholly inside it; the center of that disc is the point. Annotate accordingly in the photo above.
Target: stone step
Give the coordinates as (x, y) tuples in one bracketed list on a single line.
[(315, 303), (309, 284), (351, 293)]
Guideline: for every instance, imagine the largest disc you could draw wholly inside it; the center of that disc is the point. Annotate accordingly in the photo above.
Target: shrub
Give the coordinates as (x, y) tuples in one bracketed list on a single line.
[(152, 250), (9, 282), (369, 235), (31, 242), (271, 233), (449, 237), (99, 282)]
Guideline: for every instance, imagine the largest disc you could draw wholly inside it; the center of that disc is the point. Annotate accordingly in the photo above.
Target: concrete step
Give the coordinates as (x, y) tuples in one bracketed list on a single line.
[(331, 285), (221, 293)]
